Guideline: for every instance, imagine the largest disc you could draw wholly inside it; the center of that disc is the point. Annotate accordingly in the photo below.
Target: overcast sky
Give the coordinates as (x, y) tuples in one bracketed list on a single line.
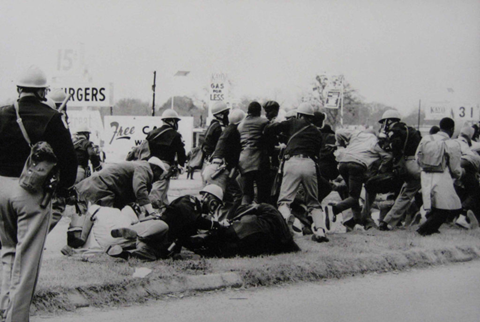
[(393, 52)]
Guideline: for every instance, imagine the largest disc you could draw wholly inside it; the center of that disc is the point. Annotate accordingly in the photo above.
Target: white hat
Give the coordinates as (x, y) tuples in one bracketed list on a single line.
[(159, 163)]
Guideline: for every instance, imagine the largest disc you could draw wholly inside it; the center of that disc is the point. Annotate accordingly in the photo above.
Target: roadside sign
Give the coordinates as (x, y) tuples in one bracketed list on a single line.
[(331, 90), (467, 112), (438, 110), (88, 94), (122, 133), (333, 99), (218, 87), (460, 112)]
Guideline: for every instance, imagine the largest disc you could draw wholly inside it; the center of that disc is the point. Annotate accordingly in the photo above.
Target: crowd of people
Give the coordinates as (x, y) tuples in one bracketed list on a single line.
[(265, 180)]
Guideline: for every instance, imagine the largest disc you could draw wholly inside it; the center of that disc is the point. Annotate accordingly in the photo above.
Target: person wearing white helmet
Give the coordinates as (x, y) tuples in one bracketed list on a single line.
[(163, 235), (57, 99), (23, 218), (86, 154), (220, 112), (402, 141), (222, 170), (291, 114), (389, 118), (361, 152), (300, 167), (166, 143), (122, 183)]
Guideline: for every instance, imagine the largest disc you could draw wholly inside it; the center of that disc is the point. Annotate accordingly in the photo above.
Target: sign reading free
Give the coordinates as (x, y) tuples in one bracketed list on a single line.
[(122, 133)]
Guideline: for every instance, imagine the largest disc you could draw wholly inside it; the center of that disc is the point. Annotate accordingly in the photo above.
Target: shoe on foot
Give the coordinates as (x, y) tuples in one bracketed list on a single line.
[(462, 222), (67, 250), (358, 227), (143, 255), (297, 227), (126, 233), (320, 239), (319, 235), (117, 251), (369, 223), (383, 226), (349, 224), (427, 233)]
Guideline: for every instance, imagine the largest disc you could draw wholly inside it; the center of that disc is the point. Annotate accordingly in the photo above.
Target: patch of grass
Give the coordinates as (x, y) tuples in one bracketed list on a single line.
[(345, 255)]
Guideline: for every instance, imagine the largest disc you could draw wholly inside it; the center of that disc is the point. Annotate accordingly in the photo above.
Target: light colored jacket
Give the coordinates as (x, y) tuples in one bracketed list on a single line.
[(438, 187), (468, 154), (361, 147)]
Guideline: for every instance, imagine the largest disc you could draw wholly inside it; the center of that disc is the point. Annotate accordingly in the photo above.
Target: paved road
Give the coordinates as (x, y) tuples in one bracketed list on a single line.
[(448, 293)]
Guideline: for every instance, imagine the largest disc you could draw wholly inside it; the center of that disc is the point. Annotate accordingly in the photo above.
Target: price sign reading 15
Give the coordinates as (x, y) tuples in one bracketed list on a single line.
[(66, 59)]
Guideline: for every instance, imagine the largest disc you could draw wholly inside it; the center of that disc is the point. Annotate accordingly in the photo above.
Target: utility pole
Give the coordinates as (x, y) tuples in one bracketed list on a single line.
[(153, 89)]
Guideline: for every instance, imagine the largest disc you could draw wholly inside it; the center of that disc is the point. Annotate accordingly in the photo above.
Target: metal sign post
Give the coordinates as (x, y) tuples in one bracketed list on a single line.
[(153, 89)]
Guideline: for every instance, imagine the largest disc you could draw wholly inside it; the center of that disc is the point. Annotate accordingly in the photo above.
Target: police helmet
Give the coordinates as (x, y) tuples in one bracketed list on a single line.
[(33, 77), (219, 107), (236, 116), (83, 129), (305, 109), (214, 190), (57, 95), (391, 115), (170, 114)]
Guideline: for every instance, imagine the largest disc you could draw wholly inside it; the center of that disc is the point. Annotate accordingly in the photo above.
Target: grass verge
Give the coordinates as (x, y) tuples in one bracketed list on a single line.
[(106, 281)]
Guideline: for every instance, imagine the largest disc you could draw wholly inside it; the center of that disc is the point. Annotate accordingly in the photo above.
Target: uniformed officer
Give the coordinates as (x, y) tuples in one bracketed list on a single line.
[(220, 113), (166, 143), (23, 221), (57, 99), (402, 141), (301, 156), (85, 153), (180, 220), (226, 157), (122, 183)]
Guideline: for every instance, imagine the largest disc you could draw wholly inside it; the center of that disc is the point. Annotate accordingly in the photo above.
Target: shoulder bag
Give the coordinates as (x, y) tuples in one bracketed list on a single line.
[(40, 170)]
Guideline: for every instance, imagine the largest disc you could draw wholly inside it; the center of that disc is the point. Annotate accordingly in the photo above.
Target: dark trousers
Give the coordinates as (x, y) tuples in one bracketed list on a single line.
[(470, 193), (248, 181), (354, 175), (435, 219)]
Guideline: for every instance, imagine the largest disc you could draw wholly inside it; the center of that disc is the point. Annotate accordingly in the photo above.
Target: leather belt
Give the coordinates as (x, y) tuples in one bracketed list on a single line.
[(299, 156)]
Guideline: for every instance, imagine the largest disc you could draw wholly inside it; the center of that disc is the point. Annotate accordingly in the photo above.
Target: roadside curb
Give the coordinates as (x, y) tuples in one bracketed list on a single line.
[(138, 290)]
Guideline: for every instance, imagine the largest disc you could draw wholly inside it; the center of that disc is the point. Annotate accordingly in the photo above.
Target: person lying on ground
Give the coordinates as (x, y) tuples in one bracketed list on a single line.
[(161, 236)]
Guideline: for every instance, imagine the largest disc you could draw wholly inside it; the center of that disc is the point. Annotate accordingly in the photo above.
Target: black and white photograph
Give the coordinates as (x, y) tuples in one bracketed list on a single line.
[(239, 160)]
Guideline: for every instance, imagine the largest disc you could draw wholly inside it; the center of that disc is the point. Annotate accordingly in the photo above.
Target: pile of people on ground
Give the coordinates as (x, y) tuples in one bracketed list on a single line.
[(265, 180)]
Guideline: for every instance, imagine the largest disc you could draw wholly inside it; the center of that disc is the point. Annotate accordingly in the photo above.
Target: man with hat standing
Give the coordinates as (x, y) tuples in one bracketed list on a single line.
[(402, 141), (166, 143), (24, 217), (300, 167), (85, 153), (220, 113)]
